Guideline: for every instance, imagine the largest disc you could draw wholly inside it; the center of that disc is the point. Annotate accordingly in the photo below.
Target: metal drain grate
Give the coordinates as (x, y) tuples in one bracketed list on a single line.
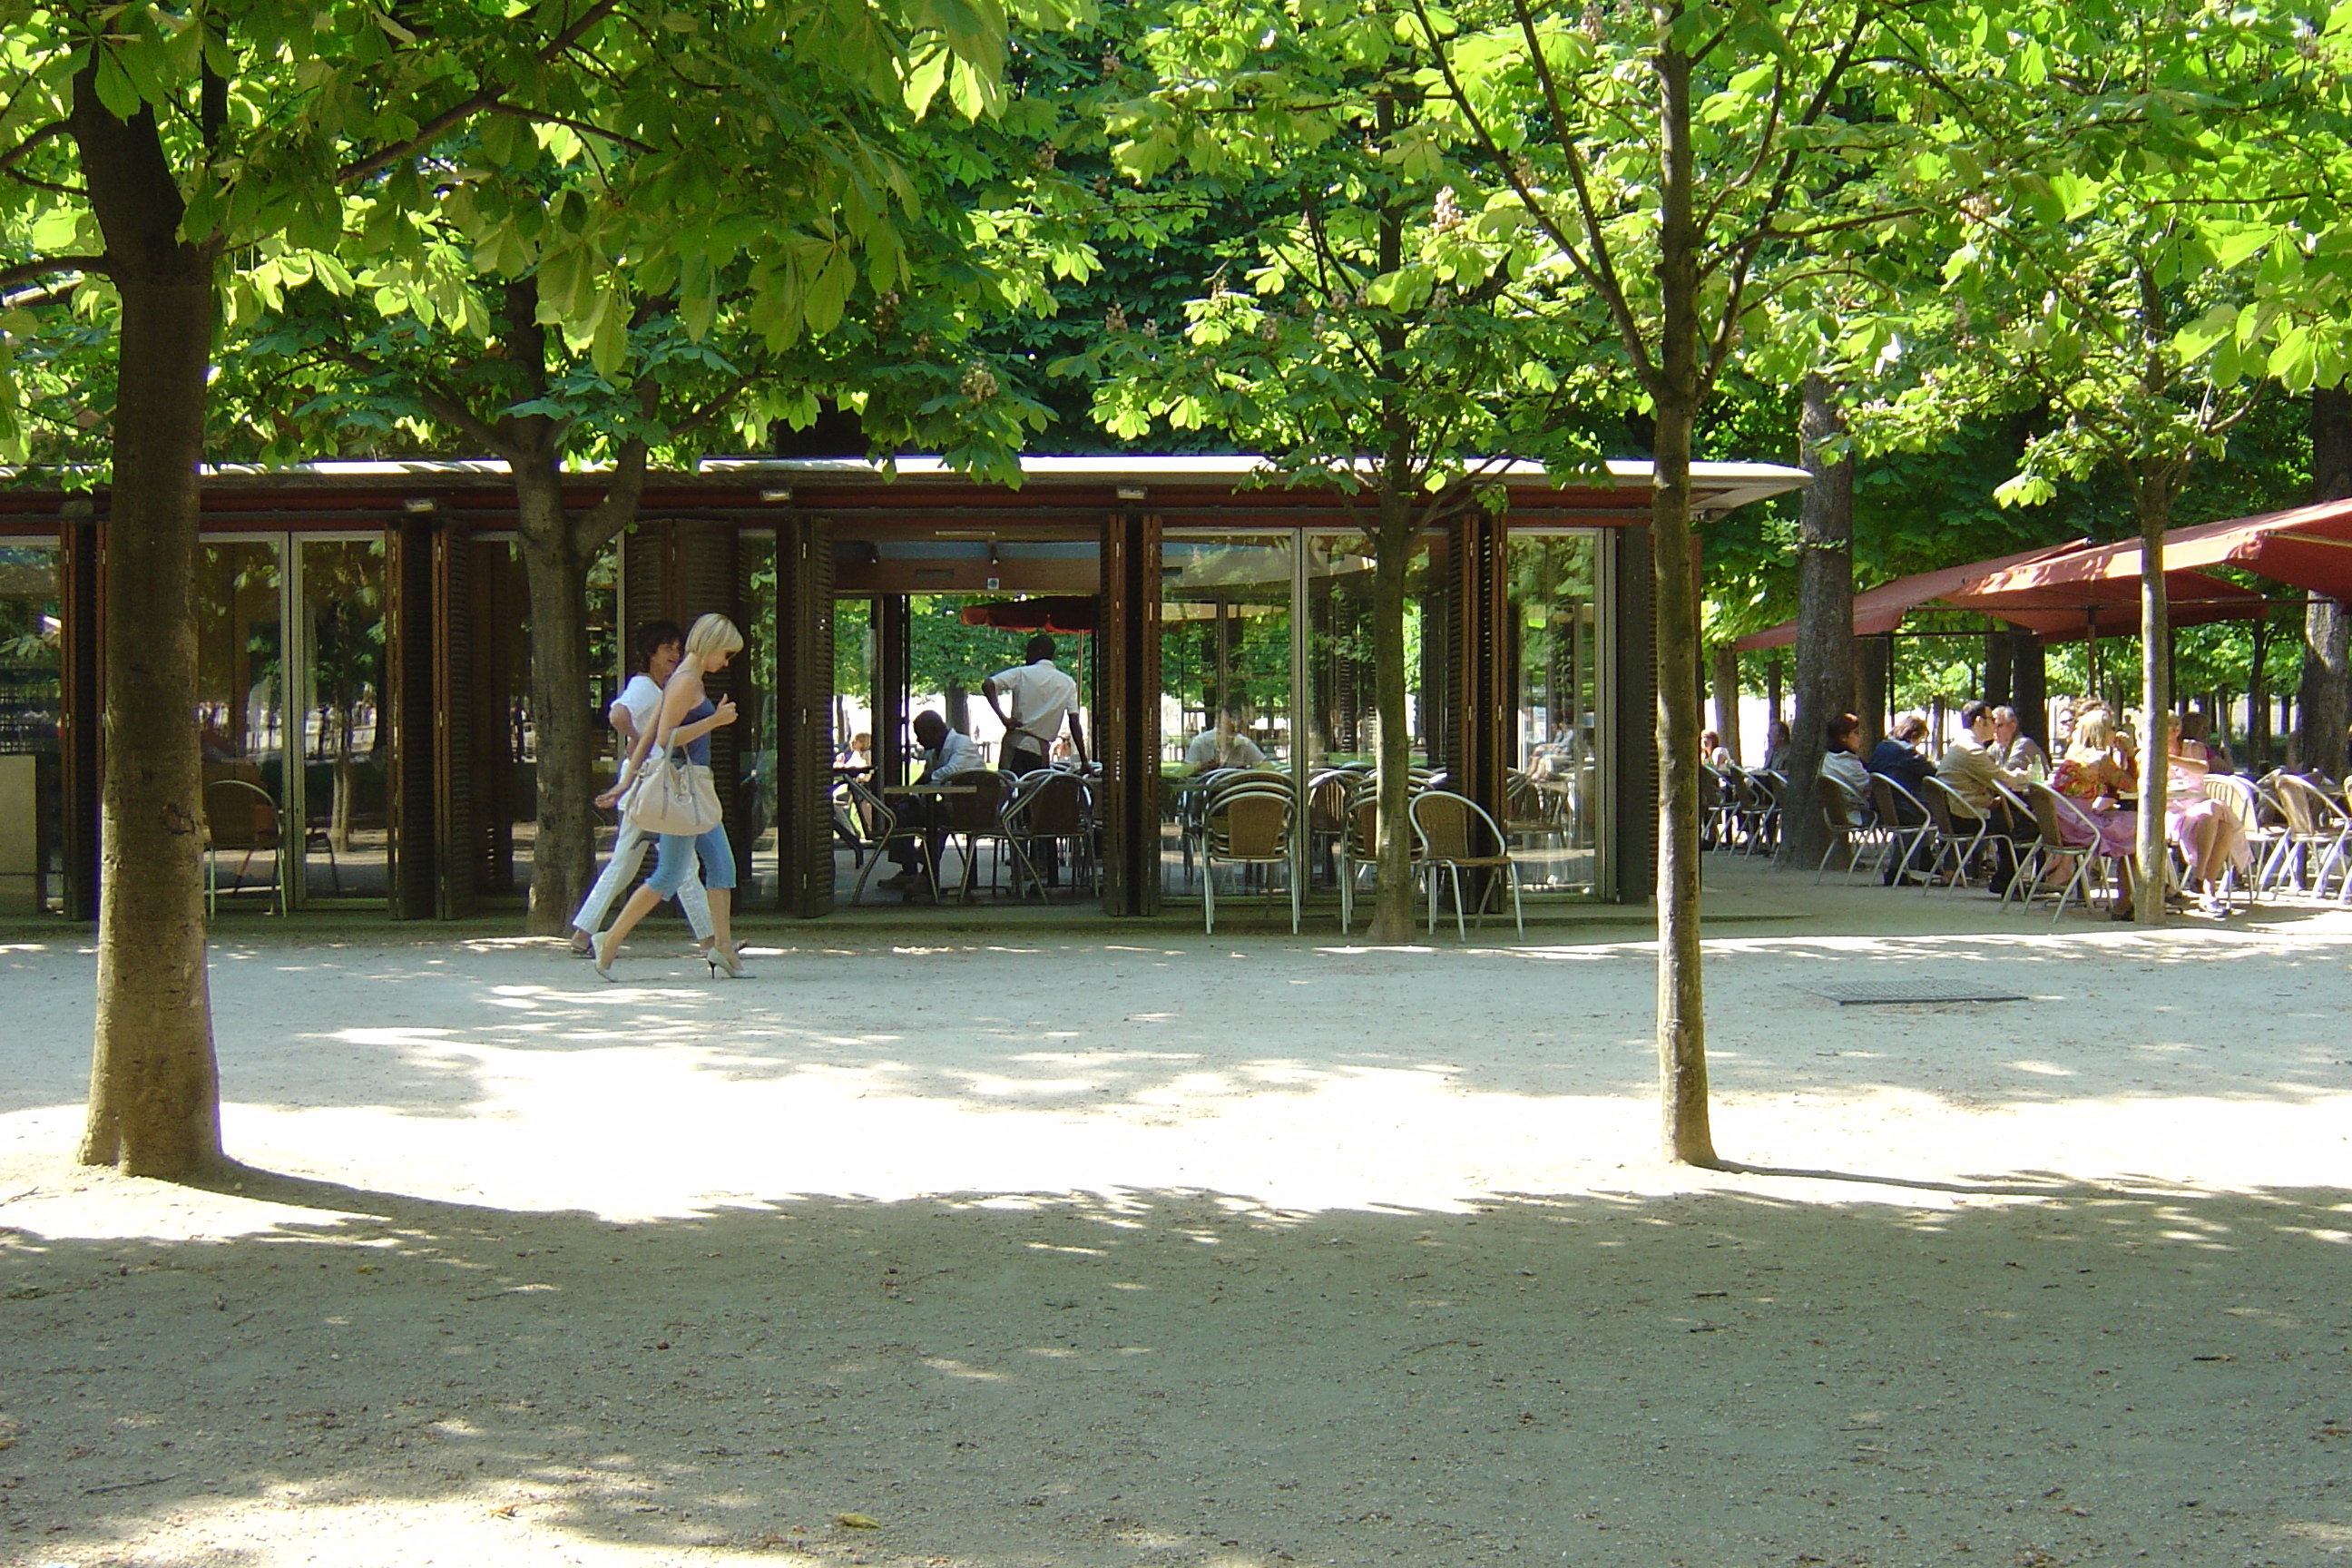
[(1882, 993)]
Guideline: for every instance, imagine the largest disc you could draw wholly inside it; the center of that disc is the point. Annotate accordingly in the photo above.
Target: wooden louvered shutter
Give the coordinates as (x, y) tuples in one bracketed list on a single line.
[(410, 704), (804, 716), (703, 580), (1479, 745), (1127, 714), (456, 867)]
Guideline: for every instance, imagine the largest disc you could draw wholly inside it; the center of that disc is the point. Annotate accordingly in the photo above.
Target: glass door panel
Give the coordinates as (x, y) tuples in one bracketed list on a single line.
[(1226, 672), (1554, 791), (241, 717), (31, 706), (344, 785)]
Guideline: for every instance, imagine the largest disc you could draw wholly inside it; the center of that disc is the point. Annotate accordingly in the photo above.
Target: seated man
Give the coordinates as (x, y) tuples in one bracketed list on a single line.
[(1898, 758), (947, 753), (2012, 747), (1223, 746), (1969, 768)]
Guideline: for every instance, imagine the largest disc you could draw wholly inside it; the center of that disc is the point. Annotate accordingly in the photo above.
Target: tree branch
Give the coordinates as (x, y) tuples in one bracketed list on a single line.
[(50, 266), (467, 108), (520, 111)]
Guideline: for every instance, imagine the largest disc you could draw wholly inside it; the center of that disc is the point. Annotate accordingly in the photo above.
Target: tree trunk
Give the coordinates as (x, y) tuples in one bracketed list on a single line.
[(2324, 695), (2258, 700), (2155, 507), (1825, 616), (1723, 675), (555, 573), (154, 1088), (1682, 1027), (1392, 913), (1872, 654)]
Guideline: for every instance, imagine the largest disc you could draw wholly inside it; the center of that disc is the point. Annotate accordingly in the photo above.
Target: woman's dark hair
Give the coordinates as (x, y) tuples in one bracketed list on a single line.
[(652, 638), (1838, 729)]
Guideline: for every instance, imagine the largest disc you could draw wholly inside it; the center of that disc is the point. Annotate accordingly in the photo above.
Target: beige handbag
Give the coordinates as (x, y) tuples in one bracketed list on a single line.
[(672, 795)]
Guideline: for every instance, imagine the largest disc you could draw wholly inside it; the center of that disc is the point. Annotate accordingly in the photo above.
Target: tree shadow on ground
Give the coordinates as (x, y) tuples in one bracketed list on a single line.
[(1005, 1381)]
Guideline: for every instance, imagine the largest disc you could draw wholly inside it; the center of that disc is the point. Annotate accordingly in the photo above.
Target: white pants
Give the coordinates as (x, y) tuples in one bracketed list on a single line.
[(628, 854)]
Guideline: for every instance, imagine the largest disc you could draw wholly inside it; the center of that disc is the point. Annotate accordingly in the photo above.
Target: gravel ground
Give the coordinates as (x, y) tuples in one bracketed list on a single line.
[(1138, 1248)]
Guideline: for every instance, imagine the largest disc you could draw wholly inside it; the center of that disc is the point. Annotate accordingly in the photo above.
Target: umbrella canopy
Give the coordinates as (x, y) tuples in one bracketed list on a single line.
[(2305, 547), (1069, 614), (1880, 610), (2056, 607)]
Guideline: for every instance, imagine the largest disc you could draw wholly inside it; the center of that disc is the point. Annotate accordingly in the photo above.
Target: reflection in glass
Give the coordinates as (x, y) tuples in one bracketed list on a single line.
[(1554, 796), (345, 746), (31, 706), (1225, 678), (240, 716)]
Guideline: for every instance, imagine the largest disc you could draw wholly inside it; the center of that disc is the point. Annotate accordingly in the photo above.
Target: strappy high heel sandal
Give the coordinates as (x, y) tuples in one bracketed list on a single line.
[(727, 959)]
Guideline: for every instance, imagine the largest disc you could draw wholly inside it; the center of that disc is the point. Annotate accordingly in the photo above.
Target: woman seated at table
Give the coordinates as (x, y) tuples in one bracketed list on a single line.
[(2094, 773), (1842, 762), (2210, 838)]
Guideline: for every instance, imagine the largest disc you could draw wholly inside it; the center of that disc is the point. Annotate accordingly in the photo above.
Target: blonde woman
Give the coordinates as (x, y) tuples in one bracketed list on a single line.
[(686, 719), (2210, 838)]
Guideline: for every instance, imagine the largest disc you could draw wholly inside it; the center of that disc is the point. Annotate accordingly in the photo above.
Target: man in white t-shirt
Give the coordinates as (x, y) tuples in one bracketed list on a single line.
[(1042, 698), (1223, 745), (661, 645)]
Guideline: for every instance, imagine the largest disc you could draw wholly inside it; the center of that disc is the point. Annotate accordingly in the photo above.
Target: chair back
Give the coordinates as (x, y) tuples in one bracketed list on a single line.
[(1839, 805), (1938, 800), (1326, 801), (1363, 830), (1235, 778), (2238, 795), (240, 815), (2052, 811), (871, 808), (1251, 824), (1054, 806), (1449, 826), (2307, 811), (1893, 798), (983, 810)]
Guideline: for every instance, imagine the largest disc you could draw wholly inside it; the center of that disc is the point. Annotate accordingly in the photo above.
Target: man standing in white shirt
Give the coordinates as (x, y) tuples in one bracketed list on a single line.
[(1042, 697), (661, 645)]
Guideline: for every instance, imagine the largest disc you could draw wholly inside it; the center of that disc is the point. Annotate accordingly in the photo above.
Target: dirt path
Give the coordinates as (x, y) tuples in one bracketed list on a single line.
[(1123, 1252)]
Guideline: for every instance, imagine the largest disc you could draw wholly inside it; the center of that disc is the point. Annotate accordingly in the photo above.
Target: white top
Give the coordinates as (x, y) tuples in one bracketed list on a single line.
[(641, 700), (1039, 695), (1243, 753), (956, 754)]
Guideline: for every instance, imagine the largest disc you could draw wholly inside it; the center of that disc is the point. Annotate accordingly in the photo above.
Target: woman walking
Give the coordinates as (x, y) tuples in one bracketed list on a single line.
[(686, 719), (660, 646)]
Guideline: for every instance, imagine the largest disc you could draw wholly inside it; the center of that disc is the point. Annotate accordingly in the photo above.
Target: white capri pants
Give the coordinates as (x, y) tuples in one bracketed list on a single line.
[(628, 854)]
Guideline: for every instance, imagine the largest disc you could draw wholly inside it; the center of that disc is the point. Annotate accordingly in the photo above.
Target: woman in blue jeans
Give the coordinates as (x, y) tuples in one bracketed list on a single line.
[(686, 719)]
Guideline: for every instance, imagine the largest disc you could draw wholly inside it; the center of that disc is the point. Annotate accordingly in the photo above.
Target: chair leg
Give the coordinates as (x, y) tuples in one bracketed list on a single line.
[(1208, 898)]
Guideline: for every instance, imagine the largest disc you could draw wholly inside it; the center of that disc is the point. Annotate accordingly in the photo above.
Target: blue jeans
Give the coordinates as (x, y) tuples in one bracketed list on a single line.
[(677, 857)]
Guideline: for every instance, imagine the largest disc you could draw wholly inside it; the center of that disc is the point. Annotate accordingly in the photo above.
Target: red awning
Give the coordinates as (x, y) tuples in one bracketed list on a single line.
[(1069, 614), (2305, 547), (1880, 610)]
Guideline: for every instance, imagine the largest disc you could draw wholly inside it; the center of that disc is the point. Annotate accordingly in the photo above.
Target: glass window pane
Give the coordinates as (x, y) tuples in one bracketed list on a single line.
[(1554, 786), (1225, 699), (346, 750), (240, 716), (31, 706)]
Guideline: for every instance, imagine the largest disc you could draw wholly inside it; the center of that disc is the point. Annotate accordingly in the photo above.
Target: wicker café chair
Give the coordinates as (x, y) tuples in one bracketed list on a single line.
[(1248, 824), (1455, 834)]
